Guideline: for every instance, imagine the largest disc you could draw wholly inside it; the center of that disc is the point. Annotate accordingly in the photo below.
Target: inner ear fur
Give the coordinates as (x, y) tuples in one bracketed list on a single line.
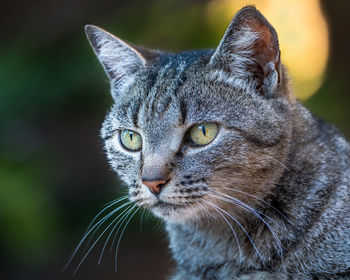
[(250, 50), (120, 59)]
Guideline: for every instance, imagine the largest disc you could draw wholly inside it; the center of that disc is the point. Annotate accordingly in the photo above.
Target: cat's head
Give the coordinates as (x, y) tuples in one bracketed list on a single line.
[(198, 130)]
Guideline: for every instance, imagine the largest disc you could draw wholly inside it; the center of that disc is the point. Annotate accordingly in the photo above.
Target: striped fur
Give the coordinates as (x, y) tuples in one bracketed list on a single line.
[(268, 198)]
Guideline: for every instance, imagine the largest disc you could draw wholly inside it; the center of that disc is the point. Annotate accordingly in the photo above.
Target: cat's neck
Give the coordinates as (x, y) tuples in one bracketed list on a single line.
[(210, 249)]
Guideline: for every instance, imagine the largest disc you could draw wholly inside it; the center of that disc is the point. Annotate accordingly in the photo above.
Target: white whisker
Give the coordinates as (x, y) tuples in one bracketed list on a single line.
[(196, 230), (93, 245), (244, 206), (253, 196), (120, 221), (230, 226), (283, 165), (120, 237), (141, 220), (244, 230), (93, 229)]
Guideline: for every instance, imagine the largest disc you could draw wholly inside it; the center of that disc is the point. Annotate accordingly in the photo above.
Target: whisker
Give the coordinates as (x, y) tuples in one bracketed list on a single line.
[(283, 165), (158, 226), (253, 196), (116, 200), (196, 218), (125, 217), (93, 228), (234, 219), (124, 213), (241, 203), (203, 213), (253, 211), (230, 226), (208, 214), (141, 220), (120, 237), (147, 216), (108, 205), (93, 245)]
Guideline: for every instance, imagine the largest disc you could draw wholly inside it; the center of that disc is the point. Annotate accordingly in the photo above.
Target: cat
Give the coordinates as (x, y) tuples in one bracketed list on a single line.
[(249, 183)]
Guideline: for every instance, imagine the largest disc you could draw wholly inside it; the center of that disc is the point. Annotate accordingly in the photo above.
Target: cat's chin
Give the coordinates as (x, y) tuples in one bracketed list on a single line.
[(174, 213)]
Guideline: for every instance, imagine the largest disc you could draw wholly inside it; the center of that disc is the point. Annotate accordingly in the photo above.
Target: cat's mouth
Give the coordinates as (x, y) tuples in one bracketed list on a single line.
[(173, 212), (167, 205)]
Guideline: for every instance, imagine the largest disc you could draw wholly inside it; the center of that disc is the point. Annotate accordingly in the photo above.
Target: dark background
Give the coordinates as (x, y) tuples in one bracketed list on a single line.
[(54, 177)]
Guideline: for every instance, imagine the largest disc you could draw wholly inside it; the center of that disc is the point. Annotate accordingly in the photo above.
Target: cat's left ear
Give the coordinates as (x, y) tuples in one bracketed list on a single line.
[(120, 60), (248, 54)]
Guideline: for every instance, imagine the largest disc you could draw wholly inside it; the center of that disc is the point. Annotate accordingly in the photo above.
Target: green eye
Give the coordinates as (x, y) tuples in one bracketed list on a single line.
[(131, 140), (202, 134)]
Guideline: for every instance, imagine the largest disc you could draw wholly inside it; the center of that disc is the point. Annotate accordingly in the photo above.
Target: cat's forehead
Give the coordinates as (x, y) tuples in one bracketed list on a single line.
[(166, 93), (174, 71)]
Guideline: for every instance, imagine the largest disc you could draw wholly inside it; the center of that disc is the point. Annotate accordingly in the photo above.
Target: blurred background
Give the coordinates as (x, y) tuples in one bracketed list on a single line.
[(54, 177)]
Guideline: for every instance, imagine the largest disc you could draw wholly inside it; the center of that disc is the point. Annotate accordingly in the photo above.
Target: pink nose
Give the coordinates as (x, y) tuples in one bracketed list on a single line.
[(155, 185)]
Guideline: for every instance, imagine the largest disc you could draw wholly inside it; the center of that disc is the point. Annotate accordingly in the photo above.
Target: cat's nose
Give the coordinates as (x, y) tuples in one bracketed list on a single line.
[(154, 186)]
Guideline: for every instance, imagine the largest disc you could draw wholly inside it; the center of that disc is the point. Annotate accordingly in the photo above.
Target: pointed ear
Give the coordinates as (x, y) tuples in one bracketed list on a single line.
[(119, 59), (248, 55)]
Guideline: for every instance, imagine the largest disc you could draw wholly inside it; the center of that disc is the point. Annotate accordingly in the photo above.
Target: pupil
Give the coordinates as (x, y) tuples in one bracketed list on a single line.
[(130, 136), (203, 130)]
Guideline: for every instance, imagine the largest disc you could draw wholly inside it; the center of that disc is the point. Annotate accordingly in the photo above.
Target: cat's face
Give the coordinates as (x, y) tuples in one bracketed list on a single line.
[(197, 130)]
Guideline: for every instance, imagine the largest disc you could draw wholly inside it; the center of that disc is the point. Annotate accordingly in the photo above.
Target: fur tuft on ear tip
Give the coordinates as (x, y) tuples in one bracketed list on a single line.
[(95, 35), (90, 30), (250, 7)]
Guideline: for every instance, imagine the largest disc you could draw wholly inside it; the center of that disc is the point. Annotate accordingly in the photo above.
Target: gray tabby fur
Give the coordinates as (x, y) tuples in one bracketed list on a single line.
[(269, 197)]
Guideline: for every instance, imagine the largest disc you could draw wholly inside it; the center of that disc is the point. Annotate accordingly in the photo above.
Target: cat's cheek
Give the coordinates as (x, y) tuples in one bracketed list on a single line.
[(124, 163)]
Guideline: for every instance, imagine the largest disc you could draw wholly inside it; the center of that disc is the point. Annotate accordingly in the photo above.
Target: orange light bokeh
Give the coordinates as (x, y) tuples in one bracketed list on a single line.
[(302, 31)]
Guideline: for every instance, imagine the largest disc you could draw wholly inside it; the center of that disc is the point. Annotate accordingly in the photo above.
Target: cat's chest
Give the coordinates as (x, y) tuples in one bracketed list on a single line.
[(201, 251)]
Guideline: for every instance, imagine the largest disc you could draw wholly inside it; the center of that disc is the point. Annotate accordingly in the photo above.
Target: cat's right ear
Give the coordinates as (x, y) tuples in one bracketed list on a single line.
[(248, 54), (119, 59)]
